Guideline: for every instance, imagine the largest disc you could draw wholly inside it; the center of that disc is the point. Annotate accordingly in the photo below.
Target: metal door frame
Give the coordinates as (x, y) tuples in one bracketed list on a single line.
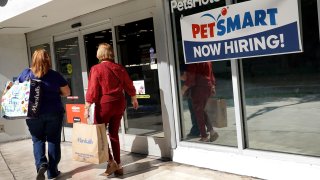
[(67, 131)]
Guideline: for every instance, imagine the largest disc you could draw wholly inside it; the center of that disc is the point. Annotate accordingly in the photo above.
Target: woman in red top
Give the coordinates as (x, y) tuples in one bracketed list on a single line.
[(201, 82), (107, 80)]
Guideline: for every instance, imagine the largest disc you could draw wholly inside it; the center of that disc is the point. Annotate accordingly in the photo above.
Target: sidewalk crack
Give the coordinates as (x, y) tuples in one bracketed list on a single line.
[(7, 165)]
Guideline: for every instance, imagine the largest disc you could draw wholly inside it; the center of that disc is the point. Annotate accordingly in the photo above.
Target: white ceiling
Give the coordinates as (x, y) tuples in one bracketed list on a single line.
[(51, 13)]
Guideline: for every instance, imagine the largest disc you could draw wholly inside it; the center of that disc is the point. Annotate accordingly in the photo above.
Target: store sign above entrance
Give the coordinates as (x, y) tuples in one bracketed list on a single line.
[(182, 5), (249, 29)]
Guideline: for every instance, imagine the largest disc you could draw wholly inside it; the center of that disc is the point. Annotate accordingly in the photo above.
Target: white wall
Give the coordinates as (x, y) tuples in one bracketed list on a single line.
[(13, 59)]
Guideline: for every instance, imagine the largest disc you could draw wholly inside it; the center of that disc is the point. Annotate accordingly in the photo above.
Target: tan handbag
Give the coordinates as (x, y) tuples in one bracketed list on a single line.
[(217, 112), (89, 143)]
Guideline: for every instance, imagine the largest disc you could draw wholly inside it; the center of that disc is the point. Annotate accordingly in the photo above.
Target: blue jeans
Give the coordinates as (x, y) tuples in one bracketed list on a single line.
[(47, 128), (194, 131)]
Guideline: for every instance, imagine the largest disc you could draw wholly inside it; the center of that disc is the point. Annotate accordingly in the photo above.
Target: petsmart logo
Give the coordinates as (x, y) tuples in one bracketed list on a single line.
[(248, 29), (237, 22), (182, 5), (85, 141)]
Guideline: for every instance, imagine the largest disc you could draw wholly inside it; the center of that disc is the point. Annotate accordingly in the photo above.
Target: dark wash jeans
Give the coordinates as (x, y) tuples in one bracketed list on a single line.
[(47, 128)]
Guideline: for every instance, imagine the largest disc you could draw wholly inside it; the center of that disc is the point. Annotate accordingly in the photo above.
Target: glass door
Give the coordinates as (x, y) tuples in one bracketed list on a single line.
[(135, 45), (68, 63), (136, 52), (92, 41)]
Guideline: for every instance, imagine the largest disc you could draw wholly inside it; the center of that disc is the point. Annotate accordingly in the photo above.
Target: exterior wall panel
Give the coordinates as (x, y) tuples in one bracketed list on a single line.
[(13, 59)]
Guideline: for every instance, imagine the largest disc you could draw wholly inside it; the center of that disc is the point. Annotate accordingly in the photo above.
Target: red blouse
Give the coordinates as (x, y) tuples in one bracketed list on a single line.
[(107, 80), (200, 74)]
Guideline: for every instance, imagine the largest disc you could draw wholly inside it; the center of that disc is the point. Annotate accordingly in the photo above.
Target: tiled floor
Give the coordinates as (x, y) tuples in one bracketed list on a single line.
[(16, 163)]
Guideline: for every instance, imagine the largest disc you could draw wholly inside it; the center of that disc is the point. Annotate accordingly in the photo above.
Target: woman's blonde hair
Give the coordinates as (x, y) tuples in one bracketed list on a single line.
[(105, 52), (41, 63)]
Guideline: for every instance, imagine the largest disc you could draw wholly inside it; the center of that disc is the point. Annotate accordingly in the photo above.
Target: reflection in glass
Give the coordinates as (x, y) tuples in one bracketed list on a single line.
[(217, 107), (282, 95), (198, 85), (136, 51), (221, 105)]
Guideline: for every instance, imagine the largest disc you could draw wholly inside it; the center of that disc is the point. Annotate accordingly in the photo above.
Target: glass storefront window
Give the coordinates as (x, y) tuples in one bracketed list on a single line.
[(282, 95), (195, 117)]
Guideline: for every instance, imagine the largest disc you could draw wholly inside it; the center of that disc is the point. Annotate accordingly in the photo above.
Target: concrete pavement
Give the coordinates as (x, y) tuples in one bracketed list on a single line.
[(16, 163)]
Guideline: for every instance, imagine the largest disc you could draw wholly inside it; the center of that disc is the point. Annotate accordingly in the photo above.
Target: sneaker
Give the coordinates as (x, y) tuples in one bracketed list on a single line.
[(111, 168), (54, 177), (213, 135), (40, 175)]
